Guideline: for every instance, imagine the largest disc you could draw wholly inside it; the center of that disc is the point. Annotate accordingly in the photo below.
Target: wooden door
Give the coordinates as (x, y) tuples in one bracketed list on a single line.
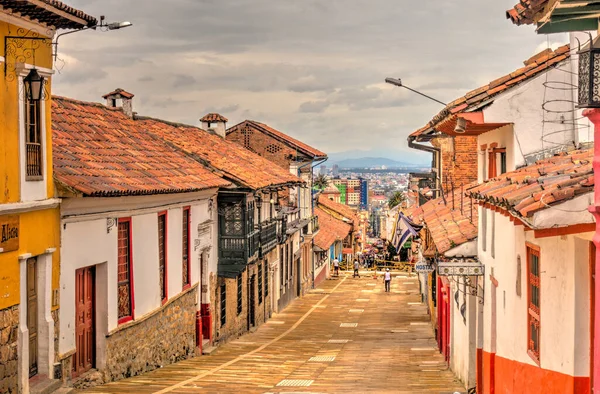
[(32, 321), (85, 343)]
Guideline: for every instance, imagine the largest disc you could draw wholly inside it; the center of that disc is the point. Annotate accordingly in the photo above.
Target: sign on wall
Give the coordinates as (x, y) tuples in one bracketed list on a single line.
[(9, 233), (424, 267), (459, 267)]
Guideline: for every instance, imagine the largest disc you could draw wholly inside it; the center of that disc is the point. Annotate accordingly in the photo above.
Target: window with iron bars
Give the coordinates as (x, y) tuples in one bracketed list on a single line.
[(260, 283), (239, 294), (533, 297)]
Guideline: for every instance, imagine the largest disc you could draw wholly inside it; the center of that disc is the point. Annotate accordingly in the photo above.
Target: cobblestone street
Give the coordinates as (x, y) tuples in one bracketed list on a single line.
[(347, 336)]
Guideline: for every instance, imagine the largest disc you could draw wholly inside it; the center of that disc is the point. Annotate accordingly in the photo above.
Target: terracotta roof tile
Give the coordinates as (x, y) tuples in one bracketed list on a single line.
[(51, 14), (213, 117), (536, 187), (235, 162), (525, 12), (341, 209), (536, 65), (330, 229), (451, 222), (99, 151), (292, 142), (119, 91)]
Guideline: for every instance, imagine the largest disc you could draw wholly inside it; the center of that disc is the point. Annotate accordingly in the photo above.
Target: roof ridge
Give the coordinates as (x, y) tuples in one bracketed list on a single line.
[(82, 102)]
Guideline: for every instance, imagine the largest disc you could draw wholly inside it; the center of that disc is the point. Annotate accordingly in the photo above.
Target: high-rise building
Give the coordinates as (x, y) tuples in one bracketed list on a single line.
[(323, 170), (364, 194), (335, 169)]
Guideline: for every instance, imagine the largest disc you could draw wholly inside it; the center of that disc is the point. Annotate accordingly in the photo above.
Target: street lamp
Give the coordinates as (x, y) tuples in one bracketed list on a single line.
[(34, 86), (589, 75), (102, 25), (398, 82)]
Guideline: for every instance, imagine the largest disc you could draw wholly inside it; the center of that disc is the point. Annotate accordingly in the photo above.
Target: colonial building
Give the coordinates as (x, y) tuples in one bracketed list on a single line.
[(300, 159), (29, 215), (256, 250), (350, 246), (138, 221), (511, 131), (328, 243)]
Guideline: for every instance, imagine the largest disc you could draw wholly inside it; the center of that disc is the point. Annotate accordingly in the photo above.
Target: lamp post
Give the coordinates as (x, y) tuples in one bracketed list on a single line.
[(398, 82), (589, 98), (102, 26)]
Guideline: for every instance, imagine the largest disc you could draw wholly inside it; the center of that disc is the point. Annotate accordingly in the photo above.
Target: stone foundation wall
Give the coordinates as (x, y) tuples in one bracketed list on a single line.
[(165, 337), (237, 324), (9, 324)]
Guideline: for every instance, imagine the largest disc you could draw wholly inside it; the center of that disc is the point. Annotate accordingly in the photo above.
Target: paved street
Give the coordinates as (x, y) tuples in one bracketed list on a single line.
[(347, 336)]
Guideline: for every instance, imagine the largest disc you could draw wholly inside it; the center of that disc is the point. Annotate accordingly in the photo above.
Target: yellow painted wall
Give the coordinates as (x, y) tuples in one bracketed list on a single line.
[(38, 230), (10, 99)]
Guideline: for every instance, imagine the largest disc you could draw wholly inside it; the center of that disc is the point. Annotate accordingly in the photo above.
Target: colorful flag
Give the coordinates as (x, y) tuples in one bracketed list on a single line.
[(404, 229)]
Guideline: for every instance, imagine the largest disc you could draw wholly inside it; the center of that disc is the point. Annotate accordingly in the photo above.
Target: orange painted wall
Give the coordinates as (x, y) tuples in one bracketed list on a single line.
[(512, 377)]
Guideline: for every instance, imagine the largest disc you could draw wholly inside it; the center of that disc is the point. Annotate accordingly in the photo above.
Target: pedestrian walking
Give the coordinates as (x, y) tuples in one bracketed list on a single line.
[(387, 278), (336, 267), (356, 269)]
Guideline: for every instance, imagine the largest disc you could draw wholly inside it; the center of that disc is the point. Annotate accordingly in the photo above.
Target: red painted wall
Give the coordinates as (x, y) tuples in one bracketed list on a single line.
[(513, 377)]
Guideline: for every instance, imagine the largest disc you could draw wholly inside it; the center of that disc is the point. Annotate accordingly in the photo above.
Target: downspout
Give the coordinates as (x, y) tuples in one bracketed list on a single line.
[(436, 163)]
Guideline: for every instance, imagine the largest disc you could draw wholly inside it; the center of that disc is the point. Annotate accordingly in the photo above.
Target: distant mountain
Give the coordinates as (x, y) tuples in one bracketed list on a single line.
[(368, 162), (375, 158)]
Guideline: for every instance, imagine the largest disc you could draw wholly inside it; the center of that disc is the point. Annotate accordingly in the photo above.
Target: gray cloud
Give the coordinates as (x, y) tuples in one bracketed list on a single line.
[(311, 68), (313, 106)]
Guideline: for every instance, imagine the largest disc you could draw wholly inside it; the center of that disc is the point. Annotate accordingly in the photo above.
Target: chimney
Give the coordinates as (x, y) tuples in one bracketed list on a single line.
[(120, 98), (215, 123)]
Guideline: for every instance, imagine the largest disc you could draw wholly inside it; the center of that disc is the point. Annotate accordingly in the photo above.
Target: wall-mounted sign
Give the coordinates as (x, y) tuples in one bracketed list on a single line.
[(424, 267), (460, 268), (9, 233)]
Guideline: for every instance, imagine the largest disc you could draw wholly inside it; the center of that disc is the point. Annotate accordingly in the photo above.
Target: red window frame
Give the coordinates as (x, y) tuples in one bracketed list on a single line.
[(165, 277), (533, 298), (186, 247), (125, 319)]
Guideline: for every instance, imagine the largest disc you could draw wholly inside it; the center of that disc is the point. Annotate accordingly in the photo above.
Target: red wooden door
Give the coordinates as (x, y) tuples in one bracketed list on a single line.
[(84, 358)]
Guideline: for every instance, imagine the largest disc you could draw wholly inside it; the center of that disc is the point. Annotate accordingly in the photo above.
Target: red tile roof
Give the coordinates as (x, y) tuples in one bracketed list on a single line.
[(51, 12), (99, 151), (341, 209), (292, 142), (526, 11), (119, 91), (212, 117), (451, 222), (234, 162), (330, 230), (536, 187), (534, 66)]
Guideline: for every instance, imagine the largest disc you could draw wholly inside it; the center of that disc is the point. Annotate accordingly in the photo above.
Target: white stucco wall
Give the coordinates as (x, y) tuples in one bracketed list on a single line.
[(564, 344), (462, 345), (522, 106), (85, 241)]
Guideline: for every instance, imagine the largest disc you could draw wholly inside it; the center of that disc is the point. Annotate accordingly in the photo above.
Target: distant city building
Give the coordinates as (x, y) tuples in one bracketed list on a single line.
[(335, 170), (323, 170), (364, 194)]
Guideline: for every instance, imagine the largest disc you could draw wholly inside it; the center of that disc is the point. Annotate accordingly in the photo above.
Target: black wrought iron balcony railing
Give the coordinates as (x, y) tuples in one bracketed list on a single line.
[(268, 237), (239, 247)]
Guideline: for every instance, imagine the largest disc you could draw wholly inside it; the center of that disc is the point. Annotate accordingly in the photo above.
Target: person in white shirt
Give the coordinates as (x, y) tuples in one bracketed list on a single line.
[(387, 278), (356, 269), (336, 267)]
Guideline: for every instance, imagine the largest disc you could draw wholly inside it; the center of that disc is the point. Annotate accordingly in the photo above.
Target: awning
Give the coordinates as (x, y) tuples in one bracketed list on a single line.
[(474, 124)]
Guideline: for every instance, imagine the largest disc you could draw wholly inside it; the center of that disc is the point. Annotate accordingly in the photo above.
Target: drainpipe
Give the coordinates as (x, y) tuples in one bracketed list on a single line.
[(435, 160)]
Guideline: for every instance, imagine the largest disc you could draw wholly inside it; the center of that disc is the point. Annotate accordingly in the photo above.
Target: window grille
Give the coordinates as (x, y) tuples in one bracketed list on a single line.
[(124, 275)]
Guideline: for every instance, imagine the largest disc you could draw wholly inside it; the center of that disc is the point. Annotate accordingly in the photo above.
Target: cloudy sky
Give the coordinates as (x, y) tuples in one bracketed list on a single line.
[(314, 69)]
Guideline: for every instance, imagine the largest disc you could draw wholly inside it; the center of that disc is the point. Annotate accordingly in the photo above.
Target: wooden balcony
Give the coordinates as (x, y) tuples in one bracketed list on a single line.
[(268, 237)]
